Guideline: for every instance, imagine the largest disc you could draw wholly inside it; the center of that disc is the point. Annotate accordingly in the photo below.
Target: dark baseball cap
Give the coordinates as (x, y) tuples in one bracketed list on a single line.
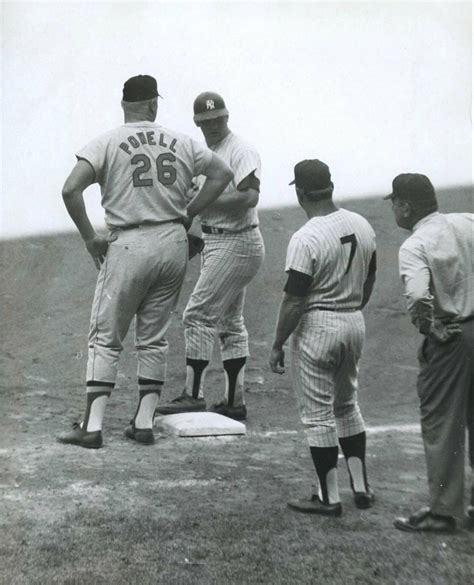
[(209, 105), (412, 187), (312, 175), (140, 88)]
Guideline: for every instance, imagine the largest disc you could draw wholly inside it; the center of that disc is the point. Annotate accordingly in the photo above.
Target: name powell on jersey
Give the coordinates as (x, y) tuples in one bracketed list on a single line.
[(210, 105), (146, 138)]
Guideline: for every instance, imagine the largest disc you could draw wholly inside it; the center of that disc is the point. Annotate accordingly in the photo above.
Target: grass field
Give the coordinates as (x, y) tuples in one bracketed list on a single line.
[(210, 510)]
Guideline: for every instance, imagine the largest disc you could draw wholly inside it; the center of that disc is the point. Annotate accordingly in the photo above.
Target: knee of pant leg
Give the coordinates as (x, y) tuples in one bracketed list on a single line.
[(193, 317), (346, 410), (324, 417), (321, 435)]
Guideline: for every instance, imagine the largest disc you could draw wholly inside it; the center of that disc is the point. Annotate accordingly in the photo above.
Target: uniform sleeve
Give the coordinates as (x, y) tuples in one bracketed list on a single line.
[(245, 162), (202, 157), (95, 154), (416, 278), (298, 257)]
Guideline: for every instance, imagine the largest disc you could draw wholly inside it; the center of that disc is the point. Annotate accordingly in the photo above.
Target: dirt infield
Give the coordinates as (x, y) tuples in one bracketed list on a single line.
[(211, 510)]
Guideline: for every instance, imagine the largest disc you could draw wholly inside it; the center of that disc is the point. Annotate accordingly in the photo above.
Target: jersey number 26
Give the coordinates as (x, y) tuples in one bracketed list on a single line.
[(166, 172)]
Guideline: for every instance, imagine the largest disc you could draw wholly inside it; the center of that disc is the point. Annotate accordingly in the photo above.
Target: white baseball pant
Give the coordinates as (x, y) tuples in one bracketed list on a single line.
[(325, 351), (228, 264), (141, 275)]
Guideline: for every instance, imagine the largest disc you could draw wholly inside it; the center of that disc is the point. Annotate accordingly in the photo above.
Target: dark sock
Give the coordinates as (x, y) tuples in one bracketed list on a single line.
[(198, 367), (232, 368), (354, 446), (324, 459)]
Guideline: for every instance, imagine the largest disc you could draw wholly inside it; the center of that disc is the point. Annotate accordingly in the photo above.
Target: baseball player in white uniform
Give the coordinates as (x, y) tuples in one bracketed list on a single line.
[(144, 171), (331, 263), (233, 253)]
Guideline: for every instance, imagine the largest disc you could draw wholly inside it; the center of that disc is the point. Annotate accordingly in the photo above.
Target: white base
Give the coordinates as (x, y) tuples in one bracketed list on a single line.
[(199, 424)]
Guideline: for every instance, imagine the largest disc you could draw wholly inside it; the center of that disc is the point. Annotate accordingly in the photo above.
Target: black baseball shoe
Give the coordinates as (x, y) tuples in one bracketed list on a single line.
[(183, 403), (316, 506), (425, 521), (470, 509), (143, 436), (81, 438), (364, 500), (234, 412)]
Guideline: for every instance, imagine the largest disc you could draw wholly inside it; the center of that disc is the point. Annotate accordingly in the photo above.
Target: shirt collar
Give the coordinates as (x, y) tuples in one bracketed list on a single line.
[(226, 137), (424, 220)]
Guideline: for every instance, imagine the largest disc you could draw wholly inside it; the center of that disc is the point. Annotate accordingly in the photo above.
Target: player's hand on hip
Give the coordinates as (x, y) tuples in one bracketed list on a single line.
[(442, 332), (277, 361), (97, 247)]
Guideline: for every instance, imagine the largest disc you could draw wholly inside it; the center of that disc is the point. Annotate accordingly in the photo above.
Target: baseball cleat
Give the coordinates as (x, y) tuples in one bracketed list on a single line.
[(183, 403), (364, 500), (234, 412), (425, 521), (316, 506), (470, 515), (81, 438), (143, 436)]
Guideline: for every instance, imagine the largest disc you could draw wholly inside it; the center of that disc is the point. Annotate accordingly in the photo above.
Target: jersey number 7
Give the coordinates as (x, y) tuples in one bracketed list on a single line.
[(350, 239)]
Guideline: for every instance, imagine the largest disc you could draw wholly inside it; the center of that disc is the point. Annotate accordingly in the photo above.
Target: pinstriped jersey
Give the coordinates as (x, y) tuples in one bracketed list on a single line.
[(243, 159), (144, 172), (335, 250)]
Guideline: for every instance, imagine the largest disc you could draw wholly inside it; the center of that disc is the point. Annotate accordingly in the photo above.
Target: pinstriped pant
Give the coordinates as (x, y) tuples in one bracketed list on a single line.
[(228, 264), (142, 275), (325, 351)]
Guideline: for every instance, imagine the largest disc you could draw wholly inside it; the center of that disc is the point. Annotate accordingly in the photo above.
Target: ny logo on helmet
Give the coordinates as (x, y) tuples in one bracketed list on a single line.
[(210, 105)]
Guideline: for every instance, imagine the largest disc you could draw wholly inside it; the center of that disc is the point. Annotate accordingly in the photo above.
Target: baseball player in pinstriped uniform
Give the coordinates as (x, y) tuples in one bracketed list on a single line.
[(145, 172), (331, 265), (232, 255)]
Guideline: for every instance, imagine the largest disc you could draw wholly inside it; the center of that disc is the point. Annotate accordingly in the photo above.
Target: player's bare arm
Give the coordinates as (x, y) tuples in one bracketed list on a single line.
[(81, 177), (218, 175), (244, 197), (291, 310)]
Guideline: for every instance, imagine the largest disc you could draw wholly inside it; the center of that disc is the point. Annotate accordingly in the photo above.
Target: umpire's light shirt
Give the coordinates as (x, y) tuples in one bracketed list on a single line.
[(436, 267)]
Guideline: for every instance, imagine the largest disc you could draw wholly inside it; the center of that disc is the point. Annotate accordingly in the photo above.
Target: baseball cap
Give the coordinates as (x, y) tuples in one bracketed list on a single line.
[(209, 105), (140, 88), (412, 187), (312, 175)]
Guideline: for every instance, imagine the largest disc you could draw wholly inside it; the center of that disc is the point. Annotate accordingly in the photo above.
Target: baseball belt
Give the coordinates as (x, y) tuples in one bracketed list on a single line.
[(317, 308), (135, 226), (207, 229)]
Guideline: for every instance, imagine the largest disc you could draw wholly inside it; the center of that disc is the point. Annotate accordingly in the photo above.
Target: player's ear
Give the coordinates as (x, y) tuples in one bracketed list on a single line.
[(154, 106), (407, 209)]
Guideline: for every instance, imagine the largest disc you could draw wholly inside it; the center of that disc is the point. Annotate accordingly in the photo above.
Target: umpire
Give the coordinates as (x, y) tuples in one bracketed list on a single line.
[(436, 268)]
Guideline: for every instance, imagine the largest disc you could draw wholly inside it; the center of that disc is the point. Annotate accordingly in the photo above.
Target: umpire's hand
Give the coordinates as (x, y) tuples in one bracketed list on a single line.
[(277, 360), (442, 333)]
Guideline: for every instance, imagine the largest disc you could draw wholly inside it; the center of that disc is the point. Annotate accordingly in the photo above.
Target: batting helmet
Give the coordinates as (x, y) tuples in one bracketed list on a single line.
[(209, 105)]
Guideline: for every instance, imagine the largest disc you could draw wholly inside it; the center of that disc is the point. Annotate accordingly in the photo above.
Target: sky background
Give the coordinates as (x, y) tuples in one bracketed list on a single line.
[(371, 88)]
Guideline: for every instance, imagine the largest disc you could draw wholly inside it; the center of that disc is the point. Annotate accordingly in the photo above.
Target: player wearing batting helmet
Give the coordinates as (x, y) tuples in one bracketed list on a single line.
[(232, 255), (437, 270), (144, 172), (331, 266)]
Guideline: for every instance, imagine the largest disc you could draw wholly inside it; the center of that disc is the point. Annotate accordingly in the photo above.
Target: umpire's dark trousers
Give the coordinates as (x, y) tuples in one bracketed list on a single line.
[(446, 392)]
